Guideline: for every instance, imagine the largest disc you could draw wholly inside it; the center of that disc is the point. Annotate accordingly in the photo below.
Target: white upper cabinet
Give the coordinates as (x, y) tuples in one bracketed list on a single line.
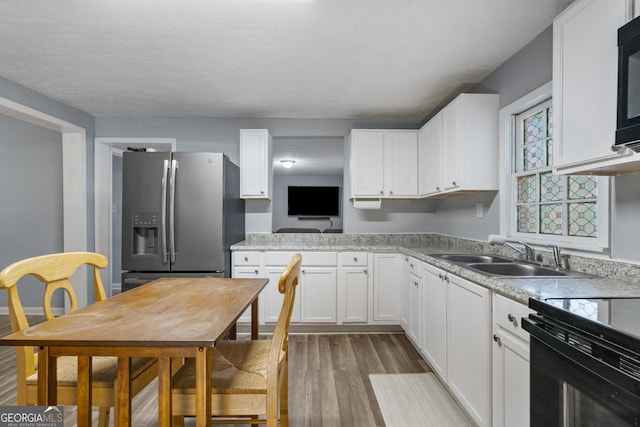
[(585, 76), (458, 147), (383, 163), (256, 168)]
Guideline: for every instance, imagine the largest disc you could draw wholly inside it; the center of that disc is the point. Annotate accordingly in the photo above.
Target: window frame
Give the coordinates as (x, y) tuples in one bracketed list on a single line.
[(508, 190)]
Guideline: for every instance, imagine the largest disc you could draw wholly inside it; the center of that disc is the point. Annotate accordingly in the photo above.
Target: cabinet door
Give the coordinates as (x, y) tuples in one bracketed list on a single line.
[(468, 347), (318, 295), (416, 310), (434, 345), (387, 291), (249, 273), (367, 163), (585, 80), (451, 145), (273, 297), (510, 380), (354, 285), (429, 141), (401, 163), (255, 163)]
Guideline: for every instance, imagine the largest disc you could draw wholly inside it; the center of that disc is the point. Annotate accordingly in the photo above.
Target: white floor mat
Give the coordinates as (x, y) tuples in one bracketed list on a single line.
[(416, 400)]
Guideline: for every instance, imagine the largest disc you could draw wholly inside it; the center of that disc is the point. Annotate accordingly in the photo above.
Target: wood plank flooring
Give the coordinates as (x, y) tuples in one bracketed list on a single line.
[(328, 379)]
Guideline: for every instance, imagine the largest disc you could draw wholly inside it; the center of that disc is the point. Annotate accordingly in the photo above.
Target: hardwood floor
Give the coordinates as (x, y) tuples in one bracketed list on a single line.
[(328, 379)]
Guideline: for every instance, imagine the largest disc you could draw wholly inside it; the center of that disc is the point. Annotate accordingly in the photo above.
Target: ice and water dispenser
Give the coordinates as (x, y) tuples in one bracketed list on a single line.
[(145, 233)]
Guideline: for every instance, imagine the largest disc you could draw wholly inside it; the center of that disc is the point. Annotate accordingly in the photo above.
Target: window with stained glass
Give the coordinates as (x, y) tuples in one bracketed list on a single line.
[(546, 204)]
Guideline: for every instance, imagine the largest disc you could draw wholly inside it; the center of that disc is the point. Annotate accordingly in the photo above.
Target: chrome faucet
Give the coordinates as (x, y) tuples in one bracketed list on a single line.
[(557, 259), (528, 251)]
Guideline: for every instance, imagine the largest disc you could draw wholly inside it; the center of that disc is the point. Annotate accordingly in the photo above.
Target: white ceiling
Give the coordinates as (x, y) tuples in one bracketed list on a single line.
[(348, 59)]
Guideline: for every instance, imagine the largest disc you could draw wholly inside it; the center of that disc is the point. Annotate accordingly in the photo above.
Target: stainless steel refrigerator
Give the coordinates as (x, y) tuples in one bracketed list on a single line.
[(181, 212)]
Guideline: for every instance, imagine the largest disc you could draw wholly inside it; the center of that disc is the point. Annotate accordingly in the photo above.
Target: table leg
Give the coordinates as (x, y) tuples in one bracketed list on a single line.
[(164, 392), (84, 389), (203, 387), (254, 319), (123, 393)]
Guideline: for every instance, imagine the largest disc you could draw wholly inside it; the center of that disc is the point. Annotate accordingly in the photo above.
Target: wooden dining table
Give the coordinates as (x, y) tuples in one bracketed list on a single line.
[(165, 319)]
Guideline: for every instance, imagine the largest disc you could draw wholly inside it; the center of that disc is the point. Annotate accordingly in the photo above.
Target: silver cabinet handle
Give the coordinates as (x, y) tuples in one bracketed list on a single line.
[(497, 339), (246, 259), (454, 183), (381, 192), (355, 259), (255, 271), (437, 188), (512, 319)]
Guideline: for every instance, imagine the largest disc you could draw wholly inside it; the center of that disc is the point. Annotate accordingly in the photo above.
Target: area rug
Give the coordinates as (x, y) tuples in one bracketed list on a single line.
[(416, 400)]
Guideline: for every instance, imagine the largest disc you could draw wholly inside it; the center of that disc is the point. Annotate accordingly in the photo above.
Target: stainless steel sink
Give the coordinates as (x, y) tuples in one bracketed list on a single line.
[(518, 269), (472, 258)]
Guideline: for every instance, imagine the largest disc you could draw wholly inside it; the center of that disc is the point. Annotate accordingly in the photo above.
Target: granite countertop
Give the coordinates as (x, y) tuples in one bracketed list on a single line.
[(518, 289)]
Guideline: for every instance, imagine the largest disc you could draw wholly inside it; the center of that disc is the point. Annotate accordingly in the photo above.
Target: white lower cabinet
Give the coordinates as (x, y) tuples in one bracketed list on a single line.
[(510, 364), (387, 291), (248, 273), (469, 348), (434, 346), (353, 288)]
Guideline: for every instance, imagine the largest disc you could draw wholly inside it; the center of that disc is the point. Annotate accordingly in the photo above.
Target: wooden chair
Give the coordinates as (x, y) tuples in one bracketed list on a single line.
[(249, 378), (54, 271)]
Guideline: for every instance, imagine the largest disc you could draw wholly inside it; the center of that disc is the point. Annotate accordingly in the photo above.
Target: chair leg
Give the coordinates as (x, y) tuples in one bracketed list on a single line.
[(103, 416), (284, 396), (177, 421)]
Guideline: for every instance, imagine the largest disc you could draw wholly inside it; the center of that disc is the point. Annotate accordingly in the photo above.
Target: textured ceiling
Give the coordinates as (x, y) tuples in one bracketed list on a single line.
[(357, 59)]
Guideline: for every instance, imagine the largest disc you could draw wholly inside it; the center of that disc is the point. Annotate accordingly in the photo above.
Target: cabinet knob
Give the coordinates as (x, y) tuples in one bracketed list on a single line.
[(246, 259), (497, 339), (512, 319), (391, 192), (381, 192), (261, 191), (355, 259), (255, 271), (366, 272), (454, 183), (437, 188)]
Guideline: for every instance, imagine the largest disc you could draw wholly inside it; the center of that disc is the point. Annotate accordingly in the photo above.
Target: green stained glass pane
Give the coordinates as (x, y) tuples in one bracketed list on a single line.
[(550, 187), (534, 127), (527, 189), (583, 219), (582, 187), (550, 122), (551, 219), (534, 156), (526, 218)]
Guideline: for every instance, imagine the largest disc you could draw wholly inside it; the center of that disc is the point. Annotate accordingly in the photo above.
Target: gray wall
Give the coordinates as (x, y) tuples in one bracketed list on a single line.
[(31, 194)]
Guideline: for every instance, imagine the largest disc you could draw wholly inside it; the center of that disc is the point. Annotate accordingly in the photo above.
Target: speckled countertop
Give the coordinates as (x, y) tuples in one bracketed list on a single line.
[(609, 278)]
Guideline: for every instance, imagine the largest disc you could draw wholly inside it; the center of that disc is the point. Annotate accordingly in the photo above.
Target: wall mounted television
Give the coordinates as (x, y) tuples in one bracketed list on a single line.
[(313, 201)]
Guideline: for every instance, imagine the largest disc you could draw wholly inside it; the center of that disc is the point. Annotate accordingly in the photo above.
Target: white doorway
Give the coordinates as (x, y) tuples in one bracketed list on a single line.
[(108, 198), (74, 176)]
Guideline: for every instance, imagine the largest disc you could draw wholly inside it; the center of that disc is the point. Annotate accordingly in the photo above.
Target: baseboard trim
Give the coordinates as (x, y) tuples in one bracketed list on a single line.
[(33, 311), (244, 328)]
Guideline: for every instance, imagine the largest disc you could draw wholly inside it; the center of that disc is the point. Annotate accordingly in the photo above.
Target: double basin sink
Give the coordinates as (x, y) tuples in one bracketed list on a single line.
[(497, 266)]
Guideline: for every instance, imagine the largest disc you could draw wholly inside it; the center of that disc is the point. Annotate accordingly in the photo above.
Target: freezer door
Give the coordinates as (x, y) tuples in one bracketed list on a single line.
[(144, 211), (196, 218)]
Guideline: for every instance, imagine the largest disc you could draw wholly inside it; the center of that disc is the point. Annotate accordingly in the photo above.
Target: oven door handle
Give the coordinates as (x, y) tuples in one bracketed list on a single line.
[(536, 326)]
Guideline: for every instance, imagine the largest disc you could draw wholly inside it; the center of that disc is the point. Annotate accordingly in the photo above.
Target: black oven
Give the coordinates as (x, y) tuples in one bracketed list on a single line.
[(628, 129), (584, 362)]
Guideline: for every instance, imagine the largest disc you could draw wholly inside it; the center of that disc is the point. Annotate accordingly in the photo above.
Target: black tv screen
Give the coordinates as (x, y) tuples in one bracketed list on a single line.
[(313, 201)]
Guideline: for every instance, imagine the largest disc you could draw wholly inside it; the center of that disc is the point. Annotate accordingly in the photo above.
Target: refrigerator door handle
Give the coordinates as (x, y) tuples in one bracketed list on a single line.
[(163, 213), (172, 211)]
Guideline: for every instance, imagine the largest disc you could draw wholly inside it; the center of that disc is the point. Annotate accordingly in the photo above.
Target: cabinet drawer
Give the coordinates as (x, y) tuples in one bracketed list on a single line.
[(353, 259), (508, 314), (415, 266), (308, 258), (241, 259)]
